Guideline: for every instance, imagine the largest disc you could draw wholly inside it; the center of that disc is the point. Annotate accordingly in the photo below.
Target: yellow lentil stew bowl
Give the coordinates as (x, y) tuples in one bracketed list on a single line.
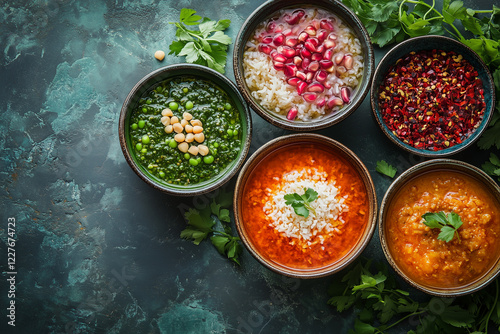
[(421, 234)]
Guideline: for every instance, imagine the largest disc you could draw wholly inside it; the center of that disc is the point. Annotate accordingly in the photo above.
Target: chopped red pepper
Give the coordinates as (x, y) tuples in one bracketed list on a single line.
[(432, 99)]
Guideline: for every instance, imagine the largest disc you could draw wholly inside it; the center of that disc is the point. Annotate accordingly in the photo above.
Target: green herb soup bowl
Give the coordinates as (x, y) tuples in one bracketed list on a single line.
[(419, 107), (439, 227), (185, 129)]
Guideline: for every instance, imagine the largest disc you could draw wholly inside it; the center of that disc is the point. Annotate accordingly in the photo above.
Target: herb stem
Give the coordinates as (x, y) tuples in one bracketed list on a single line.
[(400, 320), (491, 308)]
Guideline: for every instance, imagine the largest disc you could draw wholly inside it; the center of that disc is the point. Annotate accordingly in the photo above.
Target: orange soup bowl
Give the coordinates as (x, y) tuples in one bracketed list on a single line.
[(470, 258), (305, 206)]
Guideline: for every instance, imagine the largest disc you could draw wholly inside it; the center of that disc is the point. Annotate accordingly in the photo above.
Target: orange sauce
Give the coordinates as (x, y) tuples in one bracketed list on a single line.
[(415, 247), (291, 251)]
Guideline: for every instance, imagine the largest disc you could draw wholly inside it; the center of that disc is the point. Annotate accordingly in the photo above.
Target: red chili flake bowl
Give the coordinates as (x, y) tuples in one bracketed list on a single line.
[(432, 96)]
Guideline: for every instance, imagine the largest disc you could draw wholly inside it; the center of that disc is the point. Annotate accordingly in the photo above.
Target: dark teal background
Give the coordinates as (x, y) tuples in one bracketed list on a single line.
[(98, 250)]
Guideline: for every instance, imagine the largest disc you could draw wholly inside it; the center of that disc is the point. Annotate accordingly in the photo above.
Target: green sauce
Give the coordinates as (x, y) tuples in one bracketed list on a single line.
[(157, 150)]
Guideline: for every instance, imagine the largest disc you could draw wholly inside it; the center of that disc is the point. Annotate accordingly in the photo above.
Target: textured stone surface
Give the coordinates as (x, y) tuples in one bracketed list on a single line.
[(98, 250)]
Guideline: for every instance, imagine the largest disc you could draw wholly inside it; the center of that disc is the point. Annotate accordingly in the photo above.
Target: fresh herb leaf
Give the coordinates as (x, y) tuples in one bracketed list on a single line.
[(384, 168), (206, 46), (301, 204), (214, 220), (449, 225)]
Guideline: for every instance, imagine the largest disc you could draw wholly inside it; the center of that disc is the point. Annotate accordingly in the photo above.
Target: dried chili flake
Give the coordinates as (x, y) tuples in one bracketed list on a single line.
[(432, 99)]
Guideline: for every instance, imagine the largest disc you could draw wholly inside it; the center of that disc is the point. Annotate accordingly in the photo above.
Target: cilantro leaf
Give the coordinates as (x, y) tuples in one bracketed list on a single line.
[(448, 225), (206, 46), (199, 226), (384, 168), (301, 204)]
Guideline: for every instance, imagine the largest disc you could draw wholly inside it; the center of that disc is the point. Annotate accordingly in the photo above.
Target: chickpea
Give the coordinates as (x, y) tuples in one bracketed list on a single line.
[(183, 147), (193, 150), (178, 128), (179, 137), (199, 137), (190, 137), (187, 116), (184, 122), (197, 129), (167, 112), (160, 55), (169, 129), (188, 128), (165, 120), (174, 120), (196, 122), (203, 150)]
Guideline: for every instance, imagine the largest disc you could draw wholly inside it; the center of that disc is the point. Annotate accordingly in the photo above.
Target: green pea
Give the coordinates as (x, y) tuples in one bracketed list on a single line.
[(173, 105), (158, 89), (208, 159), (185, 89), (138, 147), (145, 139), (216, 144), (214, 151), (227, 106), (193, 162), (144, 109), (150, 166), (198, 159), (144, 150), (189, 105), (141, 123), (149, 101), (230, 132), (162, 174), (235, 132), (172, 143), (134, 126), (187, 156)]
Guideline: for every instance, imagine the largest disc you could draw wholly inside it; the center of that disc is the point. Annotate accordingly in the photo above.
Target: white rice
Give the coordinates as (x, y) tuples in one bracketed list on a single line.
[(328, 207)]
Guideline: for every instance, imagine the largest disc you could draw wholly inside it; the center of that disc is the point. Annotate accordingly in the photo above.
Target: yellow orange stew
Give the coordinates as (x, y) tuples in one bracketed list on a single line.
[(416, 248), (340, 210)]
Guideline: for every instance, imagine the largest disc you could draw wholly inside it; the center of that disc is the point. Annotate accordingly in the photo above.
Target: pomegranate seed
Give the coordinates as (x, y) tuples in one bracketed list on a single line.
[(300, 13), (316, 56), (338, 58), (305, 53), (315, 24), (290, 70), (333, 37), (287, 32), (267, 39), (326, 24), (303, 36), (313, 40), (334, 102), (288, 52), (326, 63), (292, 113), (278, 28), (309, 97), (313, 66), (320, 49), (316, 87), (295, 17), (293, 81), (278, 65), (345, 93), (279, 57), (310, 46), (271, 26), (273, 53), (265, 48), (322, 35), (295, 30), (309, 76), (310, 30), (329, 43), (321, 102), (301, 75), (321, 76), (328, 54), (327, 85), (348, 62), (297, 60), (291, 41), (305, 63), (301, 87), (278, 39)]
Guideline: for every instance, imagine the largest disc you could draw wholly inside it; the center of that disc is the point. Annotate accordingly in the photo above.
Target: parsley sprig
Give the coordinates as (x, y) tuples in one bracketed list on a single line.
[(301, 204), (384, 168), (214, 220), (206, 46), (448, 225), (380, 305)]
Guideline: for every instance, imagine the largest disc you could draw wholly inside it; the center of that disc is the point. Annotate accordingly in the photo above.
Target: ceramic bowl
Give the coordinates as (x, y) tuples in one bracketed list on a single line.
[(429, 43), (266, 11), (359, 224), (400, 209), (170, 72)]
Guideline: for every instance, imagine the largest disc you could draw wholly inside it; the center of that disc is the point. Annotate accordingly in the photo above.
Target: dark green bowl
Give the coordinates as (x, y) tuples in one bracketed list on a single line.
[(429, 43), (169, 72), (265, 11)]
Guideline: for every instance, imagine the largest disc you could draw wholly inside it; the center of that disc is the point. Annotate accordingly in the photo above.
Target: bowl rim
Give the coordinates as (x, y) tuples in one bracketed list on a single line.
[(376, 112), (412, 173), (369, 64), (351, 158), (206, 74)]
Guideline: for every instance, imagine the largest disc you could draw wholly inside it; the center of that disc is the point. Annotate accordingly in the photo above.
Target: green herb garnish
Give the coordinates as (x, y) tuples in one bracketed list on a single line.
[(301, 203), (492, 166), (385, 169), (206, 46), (380, 305), (449, 225), (214, 220)]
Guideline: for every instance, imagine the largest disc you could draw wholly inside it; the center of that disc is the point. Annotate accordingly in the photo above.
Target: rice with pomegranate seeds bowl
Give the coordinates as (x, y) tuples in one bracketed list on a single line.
[(303, 64)]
